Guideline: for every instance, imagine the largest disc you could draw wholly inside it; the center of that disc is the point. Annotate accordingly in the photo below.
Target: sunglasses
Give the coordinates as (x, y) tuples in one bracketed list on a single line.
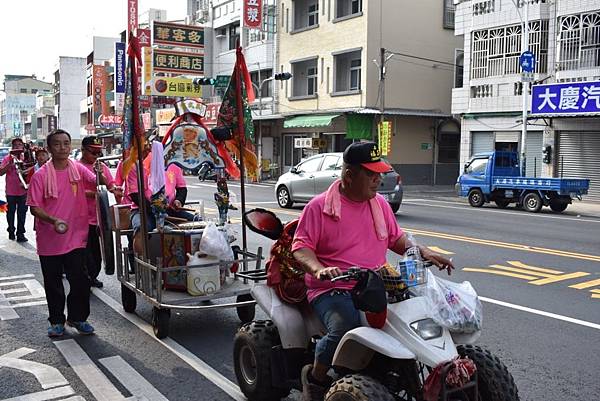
[(94, 152)]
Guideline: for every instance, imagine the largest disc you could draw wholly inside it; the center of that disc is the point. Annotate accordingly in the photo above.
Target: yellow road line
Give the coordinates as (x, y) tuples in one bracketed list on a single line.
[(516, 263), (440, 250), (561, 277), (586, 284), (524, 271), (507, 245), (596, 291), (499, 273), (596, 296)]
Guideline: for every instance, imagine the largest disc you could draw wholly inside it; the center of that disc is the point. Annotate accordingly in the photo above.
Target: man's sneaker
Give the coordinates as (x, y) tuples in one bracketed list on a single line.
[(311, 391), (82, 327), (11, 236), (56, 330), (22, 238)]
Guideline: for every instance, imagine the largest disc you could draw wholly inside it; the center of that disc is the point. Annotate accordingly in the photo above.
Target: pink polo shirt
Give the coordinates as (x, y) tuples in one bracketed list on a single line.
[(131, 184), (351, 241), (173, 179), (13, 184), (91, 202), (70, 206)]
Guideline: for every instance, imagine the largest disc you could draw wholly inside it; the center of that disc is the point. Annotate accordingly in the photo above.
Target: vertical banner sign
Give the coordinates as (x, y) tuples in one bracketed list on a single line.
[(144, 36), (385, 138), (132, 16), (119, 77), (99, 85), (147, 58), (253, 13)]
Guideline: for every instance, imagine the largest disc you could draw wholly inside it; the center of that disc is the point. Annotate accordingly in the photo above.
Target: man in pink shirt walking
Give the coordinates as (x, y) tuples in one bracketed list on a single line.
[(349, 225), (16, 194), (57, 198), (91, 149)]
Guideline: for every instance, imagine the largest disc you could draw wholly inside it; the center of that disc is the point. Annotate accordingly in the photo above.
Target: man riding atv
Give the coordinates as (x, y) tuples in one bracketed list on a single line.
[(348, 225)]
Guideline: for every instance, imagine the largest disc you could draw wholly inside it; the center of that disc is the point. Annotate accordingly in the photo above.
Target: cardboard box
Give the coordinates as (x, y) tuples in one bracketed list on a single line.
[(176, 245)]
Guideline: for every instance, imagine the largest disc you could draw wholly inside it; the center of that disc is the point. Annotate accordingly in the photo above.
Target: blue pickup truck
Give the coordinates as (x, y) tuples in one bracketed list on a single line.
[(495, 177)]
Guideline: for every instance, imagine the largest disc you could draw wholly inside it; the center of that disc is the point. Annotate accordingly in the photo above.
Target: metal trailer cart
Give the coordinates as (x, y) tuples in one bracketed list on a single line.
[(146, 280)]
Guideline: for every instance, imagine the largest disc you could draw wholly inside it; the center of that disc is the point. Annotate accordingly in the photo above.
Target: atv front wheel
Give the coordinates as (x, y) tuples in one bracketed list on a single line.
[(358, 387), (494, 381), (252, 361)]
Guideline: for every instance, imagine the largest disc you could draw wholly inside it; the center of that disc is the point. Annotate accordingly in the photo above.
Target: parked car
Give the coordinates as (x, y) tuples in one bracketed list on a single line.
[(4, 150), (315, 174)]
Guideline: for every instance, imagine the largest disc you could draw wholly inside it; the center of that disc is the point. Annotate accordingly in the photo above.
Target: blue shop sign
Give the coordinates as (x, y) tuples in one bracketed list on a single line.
[(572, 98)]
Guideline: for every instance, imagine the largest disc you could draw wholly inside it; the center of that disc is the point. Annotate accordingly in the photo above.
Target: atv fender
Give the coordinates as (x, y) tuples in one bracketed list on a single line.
[(287, 318), (358, 346)]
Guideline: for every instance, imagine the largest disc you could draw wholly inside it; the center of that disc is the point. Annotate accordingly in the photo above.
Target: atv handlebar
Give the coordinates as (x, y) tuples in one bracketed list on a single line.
[(355, 272)]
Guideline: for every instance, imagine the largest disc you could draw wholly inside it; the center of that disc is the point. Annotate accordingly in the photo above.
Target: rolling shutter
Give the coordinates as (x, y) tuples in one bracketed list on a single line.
[(534, 154), (578, 156), (482, 142)]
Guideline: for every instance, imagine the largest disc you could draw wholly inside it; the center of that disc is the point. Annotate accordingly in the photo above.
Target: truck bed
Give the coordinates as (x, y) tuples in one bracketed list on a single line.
[(564, 186)]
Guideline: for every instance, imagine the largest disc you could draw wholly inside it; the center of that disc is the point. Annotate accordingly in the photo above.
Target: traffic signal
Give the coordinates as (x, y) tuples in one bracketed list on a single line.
[(284, 76), (547, 152), (204, 81)]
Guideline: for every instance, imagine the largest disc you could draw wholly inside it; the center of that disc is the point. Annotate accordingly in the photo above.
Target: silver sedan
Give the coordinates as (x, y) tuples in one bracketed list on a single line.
[(315, 174)]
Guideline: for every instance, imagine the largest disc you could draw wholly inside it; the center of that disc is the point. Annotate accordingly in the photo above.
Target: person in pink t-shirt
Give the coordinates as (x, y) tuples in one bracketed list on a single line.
[(57, 198), (176, 191), (16, 194), (91, 149), (349, 225)]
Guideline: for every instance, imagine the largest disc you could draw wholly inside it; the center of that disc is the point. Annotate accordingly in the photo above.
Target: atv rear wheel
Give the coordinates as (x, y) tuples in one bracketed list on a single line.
[(358, 387), (494, 381), (252, 361)]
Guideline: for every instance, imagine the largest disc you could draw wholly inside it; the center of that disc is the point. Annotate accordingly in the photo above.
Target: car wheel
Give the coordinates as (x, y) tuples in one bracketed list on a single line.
[(476, 198), (532, 202), (284, 198)]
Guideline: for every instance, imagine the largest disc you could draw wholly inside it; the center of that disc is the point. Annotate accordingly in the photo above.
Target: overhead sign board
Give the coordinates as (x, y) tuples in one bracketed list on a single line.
[(222, 81), (182, 87), (178, 62), (110, 121), (572, 98), (165, 116), (253, 13), (177, 35)]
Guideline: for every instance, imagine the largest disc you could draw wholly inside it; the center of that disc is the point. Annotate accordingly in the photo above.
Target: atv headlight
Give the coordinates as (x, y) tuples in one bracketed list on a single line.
[(427, 329)]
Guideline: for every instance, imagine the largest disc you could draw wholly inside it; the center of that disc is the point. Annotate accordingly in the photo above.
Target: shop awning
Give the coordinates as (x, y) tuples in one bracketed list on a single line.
[(309, 121)]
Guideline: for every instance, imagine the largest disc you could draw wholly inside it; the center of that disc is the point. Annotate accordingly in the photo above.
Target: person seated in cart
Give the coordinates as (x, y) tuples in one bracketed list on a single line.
[(176, 191), (91, 149)]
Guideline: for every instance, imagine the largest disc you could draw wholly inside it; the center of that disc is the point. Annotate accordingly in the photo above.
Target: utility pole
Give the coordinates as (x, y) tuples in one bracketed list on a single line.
[(525, 92), (382, 84)]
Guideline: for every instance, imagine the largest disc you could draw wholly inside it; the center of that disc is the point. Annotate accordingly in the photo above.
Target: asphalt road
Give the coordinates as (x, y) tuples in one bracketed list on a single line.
[(538, 275)]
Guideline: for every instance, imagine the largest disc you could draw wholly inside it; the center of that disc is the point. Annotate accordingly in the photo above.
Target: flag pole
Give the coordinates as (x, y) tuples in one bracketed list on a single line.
[(241, 138)]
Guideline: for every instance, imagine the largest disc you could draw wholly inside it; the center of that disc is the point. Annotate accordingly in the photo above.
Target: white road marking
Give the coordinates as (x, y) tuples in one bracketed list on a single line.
[(93, 378), (196, 363), (419, 202), (47, 395), (48, 376), (16, 277), (130, 378), (23, 304), (7, 312), (541, 313), (262, 203)]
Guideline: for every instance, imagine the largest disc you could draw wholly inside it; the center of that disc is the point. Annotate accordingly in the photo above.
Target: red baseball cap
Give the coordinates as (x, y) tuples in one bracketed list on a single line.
[(366, 154)]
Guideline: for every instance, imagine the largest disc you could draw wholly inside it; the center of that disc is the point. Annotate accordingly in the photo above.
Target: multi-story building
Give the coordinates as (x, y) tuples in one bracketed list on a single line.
[(69, 91), (42, 120), (334, 51), (564, 36), (18, 102)]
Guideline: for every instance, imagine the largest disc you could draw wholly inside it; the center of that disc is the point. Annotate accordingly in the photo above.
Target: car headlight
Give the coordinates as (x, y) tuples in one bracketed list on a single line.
[(427, 329)]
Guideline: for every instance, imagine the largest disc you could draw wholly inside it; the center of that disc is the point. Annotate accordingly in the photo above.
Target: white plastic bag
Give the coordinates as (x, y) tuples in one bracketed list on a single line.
[(453, 305), (214, 243)]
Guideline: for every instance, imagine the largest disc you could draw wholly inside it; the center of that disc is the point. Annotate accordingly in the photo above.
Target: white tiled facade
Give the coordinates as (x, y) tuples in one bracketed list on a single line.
[(489, 99)]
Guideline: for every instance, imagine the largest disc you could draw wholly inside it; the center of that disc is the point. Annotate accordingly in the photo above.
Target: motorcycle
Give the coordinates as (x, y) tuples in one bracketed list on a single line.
[(388, 362)]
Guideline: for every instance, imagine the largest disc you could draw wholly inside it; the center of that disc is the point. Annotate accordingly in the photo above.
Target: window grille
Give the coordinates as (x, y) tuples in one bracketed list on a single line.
[(496, 51), (449, 10), (579, 41), (481, 7)]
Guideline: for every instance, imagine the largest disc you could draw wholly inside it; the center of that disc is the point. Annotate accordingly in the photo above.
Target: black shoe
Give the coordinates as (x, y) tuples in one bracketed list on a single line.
[(22, 238), (97, 283), (11, 236)]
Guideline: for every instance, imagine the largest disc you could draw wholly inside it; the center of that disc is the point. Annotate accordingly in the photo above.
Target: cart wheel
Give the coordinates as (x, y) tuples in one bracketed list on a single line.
[(160, 322), (246, 313), (128, 299)]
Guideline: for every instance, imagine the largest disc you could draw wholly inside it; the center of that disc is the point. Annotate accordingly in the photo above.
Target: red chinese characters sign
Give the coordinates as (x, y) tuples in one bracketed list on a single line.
[(132, 15), (253, 13), (212, 110), (99, 95)]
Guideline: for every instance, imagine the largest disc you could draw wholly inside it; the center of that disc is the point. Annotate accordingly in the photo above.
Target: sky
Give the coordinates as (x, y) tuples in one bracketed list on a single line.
[(34, 33)]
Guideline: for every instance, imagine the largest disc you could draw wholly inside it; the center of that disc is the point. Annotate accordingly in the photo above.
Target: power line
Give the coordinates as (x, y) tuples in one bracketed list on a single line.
[(422, 58)]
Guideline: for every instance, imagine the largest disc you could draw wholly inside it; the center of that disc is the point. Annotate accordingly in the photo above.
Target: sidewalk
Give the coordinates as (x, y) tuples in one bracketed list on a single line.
[(447, 193)]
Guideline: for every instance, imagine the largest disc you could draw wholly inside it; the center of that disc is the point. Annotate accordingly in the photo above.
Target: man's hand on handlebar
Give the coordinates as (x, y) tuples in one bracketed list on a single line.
[(442, 262), (327, 273)]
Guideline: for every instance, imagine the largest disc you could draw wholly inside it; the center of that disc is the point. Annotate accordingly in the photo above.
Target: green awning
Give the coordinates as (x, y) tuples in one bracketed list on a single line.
[(359, 126), (309, 121)]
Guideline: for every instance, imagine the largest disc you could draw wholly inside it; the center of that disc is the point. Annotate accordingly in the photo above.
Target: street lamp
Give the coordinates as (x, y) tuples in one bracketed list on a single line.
[(284, 76)]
